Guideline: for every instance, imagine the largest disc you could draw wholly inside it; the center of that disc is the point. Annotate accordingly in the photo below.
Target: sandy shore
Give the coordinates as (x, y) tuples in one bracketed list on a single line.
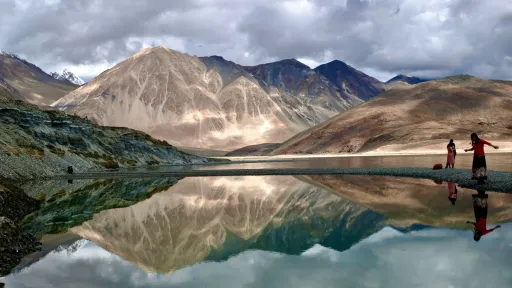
[(498, 181)]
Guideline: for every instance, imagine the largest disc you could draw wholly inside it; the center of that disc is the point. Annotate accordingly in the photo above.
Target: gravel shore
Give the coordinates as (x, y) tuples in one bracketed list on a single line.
[(498, 181)]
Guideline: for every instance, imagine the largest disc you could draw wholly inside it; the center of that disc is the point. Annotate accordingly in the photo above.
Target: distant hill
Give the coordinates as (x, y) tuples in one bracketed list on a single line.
[(426, 114), (406, 79), (254, 150)]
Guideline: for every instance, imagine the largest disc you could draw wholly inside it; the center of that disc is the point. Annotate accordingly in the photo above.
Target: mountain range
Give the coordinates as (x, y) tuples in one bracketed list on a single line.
[(210, 105)]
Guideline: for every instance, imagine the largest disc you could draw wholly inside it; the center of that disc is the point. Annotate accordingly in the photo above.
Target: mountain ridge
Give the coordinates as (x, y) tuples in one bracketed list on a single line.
[(205, 102)]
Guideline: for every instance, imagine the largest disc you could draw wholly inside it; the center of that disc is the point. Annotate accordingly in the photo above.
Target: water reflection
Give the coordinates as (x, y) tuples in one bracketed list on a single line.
[(406, 201), (388, 258), (355, 229), (201, 219), (452, 192), (480, 208)]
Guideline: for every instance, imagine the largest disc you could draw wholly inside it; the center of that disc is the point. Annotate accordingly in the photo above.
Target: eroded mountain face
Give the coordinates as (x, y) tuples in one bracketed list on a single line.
[(206, 102), (215, 217)]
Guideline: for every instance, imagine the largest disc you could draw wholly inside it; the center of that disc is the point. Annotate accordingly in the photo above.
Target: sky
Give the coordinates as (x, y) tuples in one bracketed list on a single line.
[(425, 38), (427, 258)]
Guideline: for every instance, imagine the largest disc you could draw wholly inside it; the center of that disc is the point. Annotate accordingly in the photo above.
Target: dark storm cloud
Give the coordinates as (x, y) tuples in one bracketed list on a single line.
[(424, 38)]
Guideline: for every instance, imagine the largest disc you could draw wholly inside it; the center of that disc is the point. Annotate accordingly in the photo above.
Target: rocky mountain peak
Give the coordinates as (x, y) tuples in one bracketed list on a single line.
[(68, 76)]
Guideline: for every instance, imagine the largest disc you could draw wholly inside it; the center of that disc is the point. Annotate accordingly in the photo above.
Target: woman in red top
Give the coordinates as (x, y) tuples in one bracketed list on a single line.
[(479, 164), (480, 210)]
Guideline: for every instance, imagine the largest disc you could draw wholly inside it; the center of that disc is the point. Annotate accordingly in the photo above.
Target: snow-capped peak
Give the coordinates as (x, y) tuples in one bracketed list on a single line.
[(68, 76)]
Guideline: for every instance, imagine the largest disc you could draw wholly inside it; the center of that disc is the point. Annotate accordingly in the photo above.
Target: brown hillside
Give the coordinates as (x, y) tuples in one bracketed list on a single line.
[(423, 115)]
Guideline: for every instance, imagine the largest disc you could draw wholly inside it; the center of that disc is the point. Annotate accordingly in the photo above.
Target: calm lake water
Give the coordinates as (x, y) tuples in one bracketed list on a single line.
[(265, 231), (497, 162)]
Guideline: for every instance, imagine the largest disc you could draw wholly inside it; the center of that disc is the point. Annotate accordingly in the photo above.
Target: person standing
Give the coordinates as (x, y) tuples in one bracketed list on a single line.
[(450, 158), (479, 167)]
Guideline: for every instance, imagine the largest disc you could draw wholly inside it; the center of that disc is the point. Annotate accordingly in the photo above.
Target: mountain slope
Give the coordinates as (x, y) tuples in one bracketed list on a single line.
[(29, 82), (426, 114), (350, 80), (68, 76), (303, 82), (206, 103), (34, 142)]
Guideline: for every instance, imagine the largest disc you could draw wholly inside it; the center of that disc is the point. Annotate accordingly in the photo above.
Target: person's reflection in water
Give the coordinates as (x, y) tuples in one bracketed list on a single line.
[(452, 192), (480, 210)]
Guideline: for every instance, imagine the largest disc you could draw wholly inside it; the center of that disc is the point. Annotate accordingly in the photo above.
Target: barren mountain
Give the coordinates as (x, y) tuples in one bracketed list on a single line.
[(426, 114), (305, 83), (29, 83), (206, 103), (215, 217), (350, 81)]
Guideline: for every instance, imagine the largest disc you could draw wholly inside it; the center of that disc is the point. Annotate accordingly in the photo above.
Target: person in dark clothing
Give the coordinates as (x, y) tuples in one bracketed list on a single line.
[(480, 209), (70, 169), (479, 168)]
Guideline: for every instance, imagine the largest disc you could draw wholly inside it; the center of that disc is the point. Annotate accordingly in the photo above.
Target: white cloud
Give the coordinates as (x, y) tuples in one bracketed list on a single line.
[(429, 258)]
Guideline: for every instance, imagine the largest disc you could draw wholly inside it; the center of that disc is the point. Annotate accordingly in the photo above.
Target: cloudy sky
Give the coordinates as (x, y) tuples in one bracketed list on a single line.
[(429, 38), (429, 258)]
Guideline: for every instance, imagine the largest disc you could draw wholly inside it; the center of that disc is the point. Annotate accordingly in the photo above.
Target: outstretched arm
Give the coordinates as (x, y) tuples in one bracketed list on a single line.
[(469, 222), (489, 143), (467, 150), (490, 230)]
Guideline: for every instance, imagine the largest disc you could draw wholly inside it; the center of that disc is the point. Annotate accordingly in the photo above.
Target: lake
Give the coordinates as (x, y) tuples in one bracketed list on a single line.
[(266, 231)]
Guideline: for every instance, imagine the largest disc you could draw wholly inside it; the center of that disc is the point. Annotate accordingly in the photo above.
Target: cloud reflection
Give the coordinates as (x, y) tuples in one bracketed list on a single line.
[(428, 258)]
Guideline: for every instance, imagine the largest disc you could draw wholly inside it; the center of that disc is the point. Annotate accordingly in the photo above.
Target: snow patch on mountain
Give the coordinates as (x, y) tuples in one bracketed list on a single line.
[(68, 76)]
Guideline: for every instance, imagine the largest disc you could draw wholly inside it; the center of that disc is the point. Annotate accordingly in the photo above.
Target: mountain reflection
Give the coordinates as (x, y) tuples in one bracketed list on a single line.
[(194, 220), (213, 218), (406, 201)]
